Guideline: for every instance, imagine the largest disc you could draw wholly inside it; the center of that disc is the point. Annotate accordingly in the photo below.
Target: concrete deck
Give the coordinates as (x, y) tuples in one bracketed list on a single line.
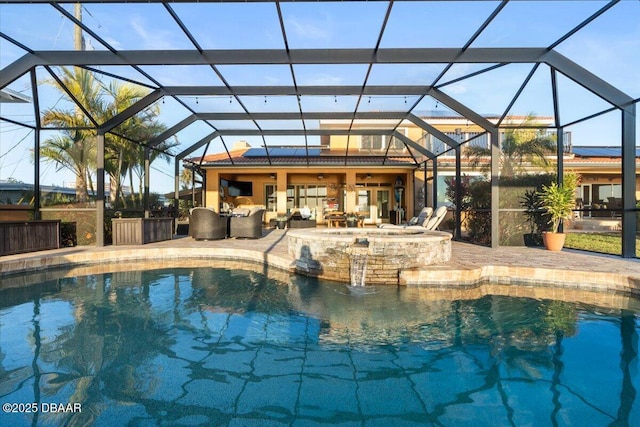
[(469, 265)]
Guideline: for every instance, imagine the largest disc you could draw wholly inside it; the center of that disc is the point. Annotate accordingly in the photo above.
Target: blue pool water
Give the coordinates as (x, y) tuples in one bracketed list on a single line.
[(205, 346)]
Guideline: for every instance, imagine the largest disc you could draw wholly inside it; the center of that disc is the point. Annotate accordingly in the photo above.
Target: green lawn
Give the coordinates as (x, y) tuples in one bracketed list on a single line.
[(608, 243)]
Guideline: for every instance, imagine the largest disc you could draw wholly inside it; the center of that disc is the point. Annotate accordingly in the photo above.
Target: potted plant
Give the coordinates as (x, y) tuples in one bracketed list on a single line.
[(558, 202), (281, 222), (534, 214), (351, 219)]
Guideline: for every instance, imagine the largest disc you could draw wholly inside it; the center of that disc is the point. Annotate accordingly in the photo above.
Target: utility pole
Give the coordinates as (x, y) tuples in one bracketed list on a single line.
[(78, 38)]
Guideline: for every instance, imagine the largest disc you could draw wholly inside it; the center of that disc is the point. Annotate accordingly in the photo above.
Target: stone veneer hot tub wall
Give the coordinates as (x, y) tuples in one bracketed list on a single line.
[(325, 253)]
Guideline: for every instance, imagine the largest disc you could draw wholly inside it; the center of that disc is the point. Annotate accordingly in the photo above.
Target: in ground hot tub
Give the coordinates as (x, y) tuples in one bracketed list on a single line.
[(328, 253)]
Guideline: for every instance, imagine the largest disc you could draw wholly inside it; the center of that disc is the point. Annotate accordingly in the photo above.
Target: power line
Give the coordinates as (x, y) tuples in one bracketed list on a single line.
[(16, 145)]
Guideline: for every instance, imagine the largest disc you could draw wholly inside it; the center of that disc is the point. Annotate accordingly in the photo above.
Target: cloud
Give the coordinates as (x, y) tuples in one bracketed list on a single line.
[(137, 26), (456, 89), (308, 29), (154, 39), (324, 79), (112, 42)]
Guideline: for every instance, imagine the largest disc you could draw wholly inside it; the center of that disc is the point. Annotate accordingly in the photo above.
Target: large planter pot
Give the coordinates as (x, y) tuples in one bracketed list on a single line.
[(553, 241), (281, 224)]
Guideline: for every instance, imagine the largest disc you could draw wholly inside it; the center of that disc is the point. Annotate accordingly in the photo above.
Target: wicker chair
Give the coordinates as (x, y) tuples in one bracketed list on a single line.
[(205, 224), (247, 226)]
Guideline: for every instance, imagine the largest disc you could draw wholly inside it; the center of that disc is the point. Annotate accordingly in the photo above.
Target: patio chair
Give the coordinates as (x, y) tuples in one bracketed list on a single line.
[(205, 224), (249, 226)]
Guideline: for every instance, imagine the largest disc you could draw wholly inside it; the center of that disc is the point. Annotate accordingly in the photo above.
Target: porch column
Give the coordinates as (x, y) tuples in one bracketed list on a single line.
[(409, 198), (351, 192), (212, 190), (281, 192)]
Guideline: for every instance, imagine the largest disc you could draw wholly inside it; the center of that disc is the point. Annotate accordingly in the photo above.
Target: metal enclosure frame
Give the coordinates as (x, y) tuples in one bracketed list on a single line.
[(492, 57)]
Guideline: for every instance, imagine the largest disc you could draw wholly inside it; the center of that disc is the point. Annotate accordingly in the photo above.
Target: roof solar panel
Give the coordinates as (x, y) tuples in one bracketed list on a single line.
[(600, 151), (255, 152), (283, 152)]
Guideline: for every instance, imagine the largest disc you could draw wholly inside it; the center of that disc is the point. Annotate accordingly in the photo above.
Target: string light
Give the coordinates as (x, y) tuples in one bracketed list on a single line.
[(335, 98), (196, 100), (369, 102), (265, 99), (230, 99)]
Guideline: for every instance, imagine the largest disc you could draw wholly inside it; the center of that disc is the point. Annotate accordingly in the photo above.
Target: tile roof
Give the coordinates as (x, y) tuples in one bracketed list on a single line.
[(237, 157)]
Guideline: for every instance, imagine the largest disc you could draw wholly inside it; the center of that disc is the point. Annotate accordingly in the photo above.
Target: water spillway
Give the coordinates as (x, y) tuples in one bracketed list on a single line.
[(329, 253), (358, 257)]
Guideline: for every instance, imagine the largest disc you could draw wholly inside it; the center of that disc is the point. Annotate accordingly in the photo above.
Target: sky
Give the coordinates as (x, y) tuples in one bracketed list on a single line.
[(609, 47)]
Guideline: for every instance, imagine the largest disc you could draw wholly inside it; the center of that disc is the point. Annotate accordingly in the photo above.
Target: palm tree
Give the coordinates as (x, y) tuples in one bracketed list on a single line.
[(74, 149), (136, 162), (122, 155), (186, 178), (519, 146)]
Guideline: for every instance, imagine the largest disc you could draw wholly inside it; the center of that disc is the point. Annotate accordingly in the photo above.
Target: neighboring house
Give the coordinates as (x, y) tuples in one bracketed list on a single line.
[(20, 193), (600, 173), (347, 173)]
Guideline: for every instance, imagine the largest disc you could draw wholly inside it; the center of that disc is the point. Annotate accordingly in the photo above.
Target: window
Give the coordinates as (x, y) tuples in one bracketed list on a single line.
[(364, 200), (380, 142), (602, 192), (270, 192), (396, 144), (478, 139), (301, 195), (372, 142)]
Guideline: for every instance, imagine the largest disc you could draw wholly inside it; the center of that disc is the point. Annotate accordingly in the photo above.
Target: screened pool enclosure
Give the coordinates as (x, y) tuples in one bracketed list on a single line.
[(206, 74)]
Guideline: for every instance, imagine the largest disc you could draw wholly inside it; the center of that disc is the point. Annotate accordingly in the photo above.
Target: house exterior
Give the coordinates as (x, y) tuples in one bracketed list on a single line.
[(375, 174), (599, 169), (327, 183)]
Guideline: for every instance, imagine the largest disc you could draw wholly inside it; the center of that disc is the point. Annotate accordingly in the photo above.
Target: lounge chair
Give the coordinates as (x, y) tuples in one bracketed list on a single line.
[(420, 220), (431, 223), (249, 226), (422, 217), (436, 219), (205, 224)]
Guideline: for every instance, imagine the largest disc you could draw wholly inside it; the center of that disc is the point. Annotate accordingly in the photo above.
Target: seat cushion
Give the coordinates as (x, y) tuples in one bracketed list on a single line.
[(240, 212)]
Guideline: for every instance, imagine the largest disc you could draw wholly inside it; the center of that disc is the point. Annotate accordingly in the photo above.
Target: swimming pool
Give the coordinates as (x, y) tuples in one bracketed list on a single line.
[(208, 346)]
